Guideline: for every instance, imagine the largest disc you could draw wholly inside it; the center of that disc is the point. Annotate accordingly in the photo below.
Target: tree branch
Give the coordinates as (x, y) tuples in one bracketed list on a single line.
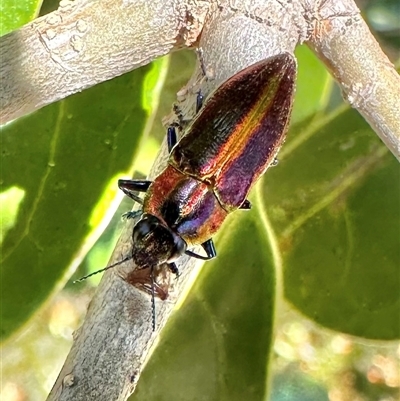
[(368, 80), (86, 42)]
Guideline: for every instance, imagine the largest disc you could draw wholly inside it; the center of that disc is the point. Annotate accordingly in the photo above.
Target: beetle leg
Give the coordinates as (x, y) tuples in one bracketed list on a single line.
[(174, 269), (209, 248), (199, 101), (246, 205), (171, 138), (129, 187), (274, 162), (132, 214), (134, 185)]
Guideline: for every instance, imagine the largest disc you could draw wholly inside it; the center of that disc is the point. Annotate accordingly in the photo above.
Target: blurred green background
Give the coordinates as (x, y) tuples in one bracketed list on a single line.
[(323, 232)]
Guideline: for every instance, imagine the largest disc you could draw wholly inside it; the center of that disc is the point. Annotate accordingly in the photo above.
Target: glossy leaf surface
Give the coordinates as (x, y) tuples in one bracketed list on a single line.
[(334, 204), (14, 14), (62, 163)]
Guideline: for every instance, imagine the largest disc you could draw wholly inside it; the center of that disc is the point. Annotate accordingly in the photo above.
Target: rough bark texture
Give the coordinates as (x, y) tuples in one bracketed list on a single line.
[(87, 42), (341, 38)]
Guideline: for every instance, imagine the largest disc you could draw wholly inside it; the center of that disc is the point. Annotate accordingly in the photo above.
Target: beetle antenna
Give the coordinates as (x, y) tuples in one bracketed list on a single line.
[(153, 300), (103, 270)]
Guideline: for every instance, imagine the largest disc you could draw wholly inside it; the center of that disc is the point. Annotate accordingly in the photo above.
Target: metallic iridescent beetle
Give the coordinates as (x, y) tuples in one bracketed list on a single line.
[(211, 169)]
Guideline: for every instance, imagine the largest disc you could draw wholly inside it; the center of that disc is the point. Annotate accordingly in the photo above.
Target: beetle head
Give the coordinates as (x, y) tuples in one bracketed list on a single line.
[(154, 243)]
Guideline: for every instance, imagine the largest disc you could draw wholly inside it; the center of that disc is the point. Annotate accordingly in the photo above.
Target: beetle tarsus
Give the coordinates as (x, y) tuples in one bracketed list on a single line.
[(208, 247), (174, 269), (132, 214), (171, 138), (246, 205), (199, 101)]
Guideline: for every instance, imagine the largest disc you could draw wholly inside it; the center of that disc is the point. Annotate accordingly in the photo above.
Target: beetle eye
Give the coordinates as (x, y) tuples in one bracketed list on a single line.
[(154, 244)]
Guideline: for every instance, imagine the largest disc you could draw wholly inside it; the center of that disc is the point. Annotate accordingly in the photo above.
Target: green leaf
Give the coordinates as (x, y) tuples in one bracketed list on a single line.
[(334, 204), (220, 340), (14, 14), (61, 165), (314, 85)]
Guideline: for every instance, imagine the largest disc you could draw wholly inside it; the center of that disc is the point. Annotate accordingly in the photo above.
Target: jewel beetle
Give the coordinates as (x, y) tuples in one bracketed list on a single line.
[(231, 142), (211, 169)]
